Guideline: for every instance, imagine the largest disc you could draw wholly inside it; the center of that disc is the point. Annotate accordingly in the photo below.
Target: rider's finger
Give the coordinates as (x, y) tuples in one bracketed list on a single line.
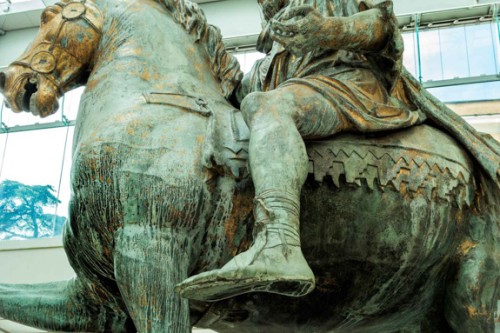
[(295, 12), (281, 36), (286, 29), (283, 40)]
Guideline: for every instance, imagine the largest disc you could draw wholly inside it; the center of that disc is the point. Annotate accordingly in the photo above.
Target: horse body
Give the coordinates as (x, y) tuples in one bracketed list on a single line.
[(382, 216), (381, 254)]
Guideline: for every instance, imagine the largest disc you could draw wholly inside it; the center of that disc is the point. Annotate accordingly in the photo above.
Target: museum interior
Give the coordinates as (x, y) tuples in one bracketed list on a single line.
[(451, 46)]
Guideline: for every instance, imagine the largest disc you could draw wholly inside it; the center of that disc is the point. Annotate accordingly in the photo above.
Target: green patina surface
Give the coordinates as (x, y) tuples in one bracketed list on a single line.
[(400, 226)]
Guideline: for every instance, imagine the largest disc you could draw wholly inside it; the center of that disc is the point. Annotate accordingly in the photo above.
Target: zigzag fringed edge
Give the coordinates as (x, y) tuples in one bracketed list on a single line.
[(409, 171)]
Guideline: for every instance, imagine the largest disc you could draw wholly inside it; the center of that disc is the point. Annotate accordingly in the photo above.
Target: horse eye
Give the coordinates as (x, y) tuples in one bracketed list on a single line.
[(48, 14)]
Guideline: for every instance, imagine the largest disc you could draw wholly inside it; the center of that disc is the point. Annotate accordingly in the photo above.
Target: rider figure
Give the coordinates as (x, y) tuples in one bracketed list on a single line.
[(331, 66)]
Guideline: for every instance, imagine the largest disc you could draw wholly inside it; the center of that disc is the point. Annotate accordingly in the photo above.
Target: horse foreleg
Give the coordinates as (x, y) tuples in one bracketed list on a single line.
[(149, 262), (59, 306)]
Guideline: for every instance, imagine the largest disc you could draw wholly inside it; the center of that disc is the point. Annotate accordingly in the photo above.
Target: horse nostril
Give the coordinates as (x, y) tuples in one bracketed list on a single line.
[(2, 80)]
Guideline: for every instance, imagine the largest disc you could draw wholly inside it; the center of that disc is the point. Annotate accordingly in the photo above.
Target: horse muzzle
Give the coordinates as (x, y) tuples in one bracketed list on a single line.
[(30, 92)]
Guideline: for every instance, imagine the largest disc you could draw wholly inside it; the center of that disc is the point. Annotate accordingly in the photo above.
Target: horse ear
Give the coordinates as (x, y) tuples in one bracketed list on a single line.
[(47, 15), (363, 6), (2, 80)]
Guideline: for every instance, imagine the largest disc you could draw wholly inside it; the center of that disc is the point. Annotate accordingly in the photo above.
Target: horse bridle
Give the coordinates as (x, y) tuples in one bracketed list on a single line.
[(44, 62)]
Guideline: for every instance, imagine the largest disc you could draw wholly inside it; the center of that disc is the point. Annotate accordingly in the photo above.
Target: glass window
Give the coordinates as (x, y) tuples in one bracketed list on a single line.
[(29, 182), (248, 59), (453, 52), (468, 92), (240, 56), (64, 190), (409, 55), (3, 142), (480, 49), (251, 58), (71, 103), (12, 119), (495, 38), (430, 54), (3, 136)]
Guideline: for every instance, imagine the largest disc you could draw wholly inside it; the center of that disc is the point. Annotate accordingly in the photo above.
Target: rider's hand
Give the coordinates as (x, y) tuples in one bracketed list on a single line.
[(302, 29)]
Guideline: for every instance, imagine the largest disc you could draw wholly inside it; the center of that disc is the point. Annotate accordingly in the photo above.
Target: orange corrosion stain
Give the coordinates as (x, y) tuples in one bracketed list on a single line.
[(91, 84), (466, 246), (242, 208), (198, 67), (146, 75), (473, 312)]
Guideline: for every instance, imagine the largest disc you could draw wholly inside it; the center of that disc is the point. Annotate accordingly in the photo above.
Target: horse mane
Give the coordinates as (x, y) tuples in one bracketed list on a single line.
[(224, 66)]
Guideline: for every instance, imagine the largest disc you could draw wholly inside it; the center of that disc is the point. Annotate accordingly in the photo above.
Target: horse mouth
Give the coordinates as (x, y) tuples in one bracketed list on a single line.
[(31, 99)]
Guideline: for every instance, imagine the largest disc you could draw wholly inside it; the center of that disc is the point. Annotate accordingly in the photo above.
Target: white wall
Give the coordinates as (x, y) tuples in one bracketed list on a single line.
[(35, 261), (419, 6), (234, 18), (14, 43)]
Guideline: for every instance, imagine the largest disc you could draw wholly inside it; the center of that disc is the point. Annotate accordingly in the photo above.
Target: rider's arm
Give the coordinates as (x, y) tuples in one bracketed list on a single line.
[(303, 29), (365, 31)]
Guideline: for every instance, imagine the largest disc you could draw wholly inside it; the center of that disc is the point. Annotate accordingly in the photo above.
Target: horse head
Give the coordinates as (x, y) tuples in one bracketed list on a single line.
[(57, 61)]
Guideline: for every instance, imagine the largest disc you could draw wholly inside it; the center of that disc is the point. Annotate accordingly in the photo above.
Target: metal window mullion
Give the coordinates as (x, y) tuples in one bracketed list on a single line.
[(441, 53), (6, 139), (467, 51), (60, 179), (494, 47), (419, 59), (497, 21)]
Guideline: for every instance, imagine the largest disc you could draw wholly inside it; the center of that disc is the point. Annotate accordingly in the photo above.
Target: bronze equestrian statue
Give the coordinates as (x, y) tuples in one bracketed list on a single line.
[(400, 226)]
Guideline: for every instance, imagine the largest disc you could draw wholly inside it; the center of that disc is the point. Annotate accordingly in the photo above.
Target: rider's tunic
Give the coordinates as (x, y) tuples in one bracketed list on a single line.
[(362, 88)]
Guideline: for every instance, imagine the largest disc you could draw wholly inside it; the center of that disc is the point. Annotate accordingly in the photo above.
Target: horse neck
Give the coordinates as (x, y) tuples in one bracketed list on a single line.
[(144, 48)]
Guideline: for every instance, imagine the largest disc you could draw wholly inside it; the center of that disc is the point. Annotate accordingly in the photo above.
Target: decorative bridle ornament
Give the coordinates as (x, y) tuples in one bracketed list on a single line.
[(44, 62)]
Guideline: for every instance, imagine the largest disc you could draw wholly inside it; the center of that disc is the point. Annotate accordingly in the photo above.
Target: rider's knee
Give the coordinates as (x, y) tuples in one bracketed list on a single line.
[(252, 105), (263, 106)]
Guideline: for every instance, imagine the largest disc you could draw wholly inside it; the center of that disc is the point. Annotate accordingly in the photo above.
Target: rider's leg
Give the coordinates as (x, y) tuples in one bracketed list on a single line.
[(279, 165)]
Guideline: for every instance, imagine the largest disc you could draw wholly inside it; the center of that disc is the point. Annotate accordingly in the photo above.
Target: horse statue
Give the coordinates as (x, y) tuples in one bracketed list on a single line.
[(392, 223)]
